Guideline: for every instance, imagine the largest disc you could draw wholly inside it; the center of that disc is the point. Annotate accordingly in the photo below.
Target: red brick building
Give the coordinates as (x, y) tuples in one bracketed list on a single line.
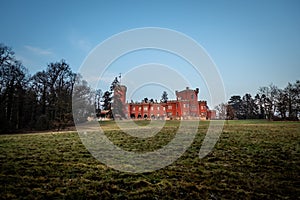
[(186, 106)]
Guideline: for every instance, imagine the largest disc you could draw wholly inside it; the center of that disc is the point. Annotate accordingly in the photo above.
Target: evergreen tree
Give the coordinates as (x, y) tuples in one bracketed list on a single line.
[(106, 98), (164, 97)]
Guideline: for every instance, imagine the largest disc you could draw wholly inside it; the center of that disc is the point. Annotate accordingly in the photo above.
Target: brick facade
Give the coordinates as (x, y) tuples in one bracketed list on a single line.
[(186, 106)]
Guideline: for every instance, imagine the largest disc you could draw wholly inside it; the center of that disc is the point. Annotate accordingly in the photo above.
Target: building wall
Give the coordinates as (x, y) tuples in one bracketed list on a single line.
[(147, 110), (188, 102), (203, 109), (185, 106), (121, 93), (211, 114)]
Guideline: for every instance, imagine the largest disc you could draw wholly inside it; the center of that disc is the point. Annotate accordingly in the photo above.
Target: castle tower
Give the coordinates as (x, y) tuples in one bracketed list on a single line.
[(122, 93), (188, 101), (119, 104)]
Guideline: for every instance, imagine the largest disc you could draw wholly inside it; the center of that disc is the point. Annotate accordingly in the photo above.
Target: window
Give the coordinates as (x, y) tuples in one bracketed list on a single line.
[(145, 108), (151, 107), (133, 108), (193, 107), (140, 108), (170, 107), (157, 107), (164, 108), (192, 96)]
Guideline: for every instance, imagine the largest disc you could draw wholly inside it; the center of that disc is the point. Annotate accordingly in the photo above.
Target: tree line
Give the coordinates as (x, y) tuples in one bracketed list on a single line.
[(53, 98), (270, 103), (44, 100), (37, 102)]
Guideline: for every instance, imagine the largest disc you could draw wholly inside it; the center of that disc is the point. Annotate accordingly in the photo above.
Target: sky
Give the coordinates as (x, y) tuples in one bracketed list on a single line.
[(252, 43)]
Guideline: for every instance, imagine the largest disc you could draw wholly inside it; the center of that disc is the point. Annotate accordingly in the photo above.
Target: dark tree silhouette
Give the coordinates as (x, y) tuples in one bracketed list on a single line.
[(43, 101), (269, 96), (236, 103), (13, 81), (106, 99), (164, 97)]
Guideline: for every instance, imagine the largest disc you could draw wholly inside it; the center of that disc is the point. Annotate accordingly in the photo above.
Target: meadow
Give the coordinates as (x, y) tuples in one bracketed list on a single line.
[(254, 159)]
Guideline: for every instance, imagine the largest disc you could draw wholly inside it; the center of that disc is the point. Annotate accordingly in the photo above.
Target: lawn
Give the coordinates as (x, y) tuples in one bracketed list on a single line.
[(252, 160)]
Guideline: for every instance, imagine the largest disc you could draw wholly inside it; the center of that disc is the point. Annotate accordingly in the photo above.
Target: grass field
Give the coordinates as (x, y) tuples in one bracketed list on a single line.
[(252, 160)]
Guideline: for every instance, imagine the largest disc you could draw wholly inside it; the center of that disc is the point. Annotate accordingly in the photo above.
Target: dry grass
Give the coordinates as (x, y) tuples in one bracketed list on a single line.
[(252, 160)]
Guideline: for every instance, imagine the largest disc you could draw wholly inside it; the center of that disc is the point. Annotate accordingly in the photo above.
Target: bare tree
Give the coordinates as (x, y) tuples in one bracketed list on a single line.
[(221, 109), (292, 93), (269, 97), (13, 81)]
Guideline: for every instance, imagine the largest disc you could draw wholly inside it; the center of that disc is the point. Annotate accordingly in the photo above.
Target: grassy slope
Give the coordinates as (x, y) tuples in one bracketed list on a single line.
[(253, 159)]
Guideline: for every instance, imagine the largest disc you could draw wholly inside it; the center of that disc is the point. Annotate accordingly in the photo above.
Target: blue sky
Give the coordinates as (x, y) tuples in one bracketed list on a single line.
[(253, 43)]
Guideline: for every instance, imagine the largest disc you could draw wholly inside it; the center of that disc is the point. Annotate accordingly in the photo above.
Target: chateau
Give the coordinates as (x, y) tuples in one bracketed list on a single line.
[(186, 106)]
